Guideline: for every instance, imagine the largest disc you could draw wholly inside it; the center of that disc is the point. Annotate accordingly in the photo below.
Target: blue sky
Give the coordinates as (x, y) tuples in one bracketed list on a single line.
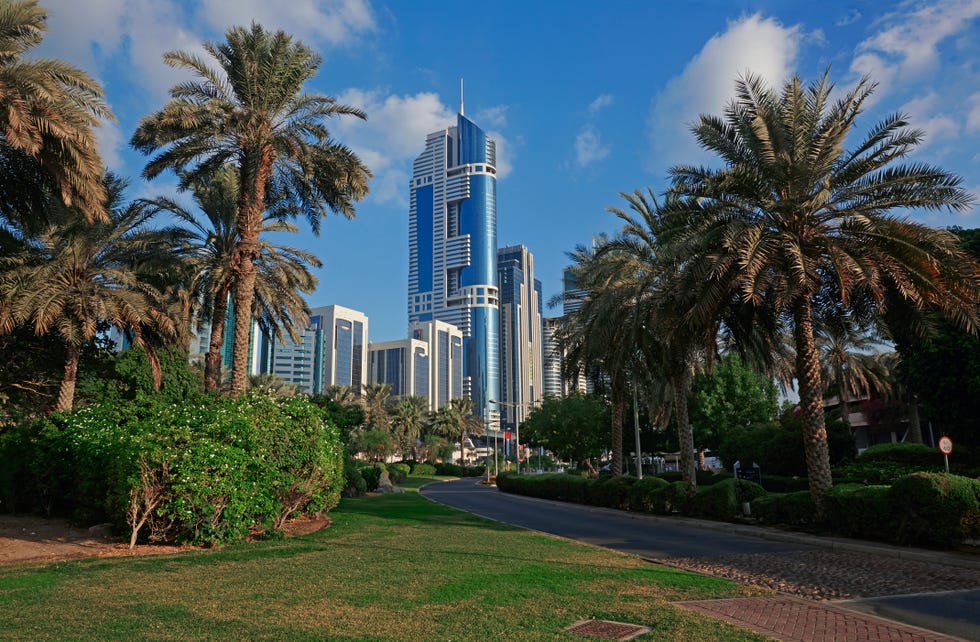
[(586, 99)]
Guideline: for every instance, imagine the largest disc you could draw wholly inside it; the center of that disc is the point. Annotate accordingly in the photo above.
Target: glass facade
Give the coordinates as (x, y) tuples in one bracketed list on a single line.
[(453, 254), (343, 347)]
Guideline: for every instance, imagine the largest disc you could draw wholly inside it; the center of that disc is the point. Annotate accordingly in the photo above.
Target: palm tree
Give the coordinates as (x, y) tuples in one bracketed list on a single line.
[(251, 111), (273, 384), (376, 398), (282, 272), (342, 395), (47, 111), (848, 361), (408, 419), (455, 420), (793, 221), (76, 274)]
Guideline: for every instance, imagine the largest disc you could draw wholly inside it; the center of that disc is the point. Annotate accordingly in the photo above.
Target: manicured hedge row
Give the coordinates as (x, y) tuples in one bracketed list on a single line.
[(208, 471), (921, 509)]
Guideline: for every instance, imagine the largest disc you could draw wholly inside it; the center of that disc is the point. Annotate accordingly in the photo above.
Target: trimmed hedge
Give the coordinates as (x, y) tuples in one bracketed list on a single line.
[(425, 470), (902, 453), (935, 509), (453, 470), (796, 509), (724, 500), (854, 510), (398, 472)]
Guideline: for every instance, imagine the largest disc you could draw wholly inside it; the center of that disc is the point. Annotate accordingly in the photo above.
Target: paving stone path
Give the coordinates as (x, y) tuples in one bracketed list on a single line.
[(795, 620)]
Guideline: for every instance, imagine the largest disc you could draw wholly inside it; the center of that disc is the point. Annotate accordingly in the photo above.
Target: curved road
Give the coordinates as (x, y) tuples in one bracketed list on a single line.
[(953, 613)]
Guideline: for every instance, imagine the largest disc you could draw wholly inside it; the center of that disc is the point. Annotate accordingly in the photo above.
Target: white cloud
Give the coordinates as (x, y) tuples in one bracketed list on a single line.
[(111, 141), (589, 148), (313, 21), (394, 134), (600, 103), (491, 117), (753, 44), (906, 45), (973, 117), (924, 114), (850, 18)]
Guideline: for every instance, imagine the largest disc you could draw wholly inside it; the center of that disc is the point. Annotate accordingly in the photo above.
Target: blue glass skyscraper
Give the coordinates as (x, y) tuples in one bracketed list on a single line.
[(452, 255)]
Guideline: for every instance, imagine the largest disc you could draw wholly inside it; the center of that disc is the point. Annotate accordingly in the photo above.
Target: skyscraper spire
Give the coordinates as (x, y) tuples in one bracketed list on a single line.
[(461, 96)]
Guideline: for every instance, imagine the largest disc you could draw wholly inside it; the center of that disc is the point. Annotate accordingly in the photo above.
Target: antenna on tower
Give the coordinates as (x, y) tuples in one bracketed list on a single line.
[(460, 96)]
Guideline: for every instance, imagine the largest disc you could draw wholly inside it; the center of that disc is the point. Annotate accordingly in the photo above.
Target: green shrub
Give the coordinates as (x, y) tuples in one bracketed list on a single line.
[(724, 500), (676, 497), (902, 453), (795, 509), (783, 484), (354, 483), (610, 492), (935, 509), (398, 472), (454, 470), (643, 495), (877, 472), (853, 510), (205, 471), (425, 470), (372, 475)]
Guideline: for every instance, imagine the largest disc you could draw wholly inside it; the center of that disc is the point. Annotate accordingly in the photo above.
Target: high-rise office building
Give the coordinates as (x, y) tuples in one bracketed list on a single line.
[(452, 236), (259, 344), (551, 359), (345, 340), (521, 371), (445, 349), (403, 364), (301, 362)]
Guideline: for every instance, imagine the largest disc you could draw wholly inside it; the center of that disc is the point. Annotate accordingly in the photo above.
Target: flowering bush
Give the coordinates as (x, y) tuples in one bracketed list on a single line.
[(205, 471)]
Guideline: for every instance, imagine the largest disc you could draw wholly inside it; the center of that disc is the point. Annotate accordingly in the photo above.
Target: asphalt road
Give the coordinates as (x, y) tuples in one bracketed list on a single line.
[(953, 613)]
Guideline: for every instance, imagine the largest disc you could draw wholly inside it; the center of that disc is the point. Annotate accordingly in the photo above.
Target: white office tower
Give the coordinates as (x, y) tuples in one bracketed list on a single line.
[(520, 335), (403, 364), (445, 343), (345, 334), (551, 359)]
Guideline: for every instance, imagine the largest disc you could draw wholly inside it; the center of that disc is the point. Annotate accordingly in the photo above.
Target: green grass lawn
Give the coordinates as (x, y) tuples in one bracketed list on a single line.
[(392, 567)]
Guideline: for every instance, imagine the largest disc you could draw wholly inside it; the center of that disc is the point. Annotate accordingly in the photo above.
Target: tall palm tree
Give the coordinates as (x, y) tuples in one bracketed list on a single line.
[(342, 395), (76, 274), (376, 399), (848, 361), (252, 111), (47, 111), (794, 220), (282, 271)]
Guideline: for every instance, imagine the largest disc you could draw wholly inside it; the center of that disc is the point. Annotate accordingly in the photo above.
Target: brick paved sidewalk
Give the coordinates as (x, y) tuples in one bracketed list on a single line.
[(795, 620)]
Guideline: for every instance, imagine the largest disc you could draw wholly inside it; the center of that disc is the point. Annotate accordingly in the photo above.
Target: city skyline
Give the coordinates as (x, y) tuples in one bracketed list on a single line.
[(585, 102)]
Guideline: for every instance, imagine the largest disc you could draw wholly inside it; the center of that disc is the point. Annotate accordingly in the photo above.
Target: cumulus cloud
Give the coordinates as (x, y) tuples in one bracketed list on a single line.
[(394, 134), (924, 113), (906, 45), (327, 22), (762, 46)]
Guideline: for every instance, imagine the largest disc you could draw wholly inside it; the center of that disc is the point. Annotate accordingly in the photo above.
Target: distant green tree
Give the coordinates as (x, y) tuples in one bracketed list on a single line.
[(573, 427), (731, 396)]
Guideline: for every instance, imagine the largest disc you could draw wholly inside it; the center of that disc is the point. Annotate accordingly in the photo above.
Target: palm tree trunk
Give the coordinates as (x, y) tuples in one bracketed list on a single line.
[(685, 436), (462, 452), (212, 360), (66, 394), (243, 293), (915, 428), (811, 406), (618, 410)]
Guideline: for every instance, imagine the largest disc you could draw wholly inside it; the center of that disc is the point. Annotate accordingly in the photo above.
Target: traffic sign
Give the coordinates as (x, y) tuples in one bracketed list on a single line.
[(945, 445)]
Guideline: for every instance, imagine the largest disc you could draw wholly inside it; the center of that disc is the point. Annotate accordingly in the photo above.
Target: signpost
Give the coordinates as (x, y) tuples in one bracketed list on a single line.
[(946, 447), (749, 473)]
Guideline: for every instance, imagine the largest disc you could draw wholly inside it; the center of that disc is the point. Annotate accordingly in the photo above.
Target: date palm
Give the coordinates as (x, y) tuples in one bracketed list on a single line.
[(251, 111), (455, 420), (47, 111), (76, 274), (794, 220), (408, 419), (282, 276)]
